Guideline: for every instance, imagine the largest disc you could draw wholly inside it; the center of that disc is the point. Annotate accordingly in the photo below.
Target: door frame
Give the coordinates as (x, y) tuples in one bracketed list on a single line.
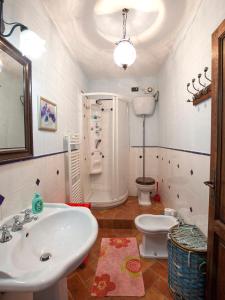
[(214, 226)]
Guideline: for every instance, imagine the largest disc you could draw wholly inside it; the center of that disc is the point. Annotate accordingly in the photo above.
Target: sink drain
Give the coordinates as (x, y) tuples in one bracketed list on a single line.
[(45, 257)]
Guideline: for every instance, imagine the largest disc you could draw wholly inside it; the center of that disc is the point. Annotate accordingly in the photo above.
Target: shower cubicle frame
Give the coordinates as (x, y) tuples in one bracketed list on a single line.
[(116, 198)]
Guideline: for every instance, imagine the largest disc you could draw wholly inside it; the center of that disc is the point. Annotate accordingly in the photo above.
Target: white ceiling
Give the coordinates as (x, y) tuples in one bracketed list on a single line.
[(90, 28)]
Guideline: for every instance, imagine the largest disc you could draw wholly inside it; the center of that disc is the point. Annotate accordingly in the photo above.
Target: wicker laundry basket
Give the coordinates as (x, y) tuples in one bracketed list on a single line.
[(187, 249)]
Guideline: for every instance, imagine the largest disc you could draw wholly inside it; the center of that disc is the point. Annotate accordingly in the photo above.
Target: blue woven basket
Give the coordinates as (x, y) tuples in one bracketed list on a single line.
[(187, 272)]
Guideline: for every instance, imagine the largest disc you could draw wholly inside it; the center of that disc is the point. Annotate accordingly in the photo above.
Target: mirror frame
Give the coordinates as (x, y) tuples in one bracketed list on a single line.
[(16, 154)]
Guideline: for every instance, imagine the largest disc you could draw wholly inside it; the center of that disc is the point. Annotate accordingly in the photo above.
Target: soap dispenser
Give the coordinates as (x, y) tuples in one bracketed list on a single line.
[(37, 203)]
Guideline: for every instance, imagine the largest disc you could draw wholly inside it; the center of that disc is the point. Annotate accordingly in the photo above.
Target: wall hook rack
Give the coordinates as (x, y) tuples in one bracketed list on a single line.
[(201, 92)]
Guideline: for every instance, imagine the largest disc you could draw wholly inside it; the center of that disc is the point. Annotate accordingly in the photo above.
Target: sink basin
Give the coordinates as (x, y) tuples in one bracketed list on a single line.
[(46, 250)]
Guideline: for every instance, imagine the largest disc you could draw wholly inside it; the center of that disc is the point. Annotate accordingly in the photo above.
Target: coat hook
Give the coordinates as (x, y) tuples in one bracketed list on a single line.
[(205, 71), (189, 101), (204, 91), (199, 80), (193, 84), (189, 90)]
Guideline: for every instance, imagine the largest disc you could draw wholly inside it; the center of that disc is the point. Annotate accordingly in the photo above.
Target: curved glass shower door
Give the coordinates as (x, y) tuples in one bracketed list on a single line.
[(105, 150), (120, 151)]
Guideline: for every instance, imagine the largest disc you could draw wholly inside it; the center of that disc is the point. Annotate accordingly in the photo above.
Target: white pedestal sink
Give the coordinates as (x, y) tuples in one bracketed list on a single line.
[(61, 238)]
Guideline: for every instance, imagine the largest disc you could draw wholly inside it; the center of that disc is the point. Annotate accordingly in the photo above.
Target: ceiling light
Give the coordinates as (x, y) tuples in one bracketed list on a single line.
[(31, 44), (124, 53)]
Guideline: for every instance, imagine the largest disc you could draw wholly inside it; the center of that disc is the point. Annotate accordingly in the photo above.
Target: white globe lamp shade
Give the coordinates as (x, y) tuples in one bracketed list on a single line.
[(31, 45), (124, 54)]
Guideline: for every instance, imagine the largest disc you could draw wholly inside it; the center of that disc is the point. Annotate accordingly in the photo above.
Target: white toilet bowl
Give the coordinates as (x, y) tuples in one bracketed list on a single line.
[(155, 233), (145, 186)]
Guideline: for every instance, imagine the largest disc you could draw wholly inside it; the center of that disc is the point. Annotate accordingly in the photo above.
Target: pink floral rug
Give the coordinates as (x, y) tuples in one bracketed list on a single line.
[(119, 269)]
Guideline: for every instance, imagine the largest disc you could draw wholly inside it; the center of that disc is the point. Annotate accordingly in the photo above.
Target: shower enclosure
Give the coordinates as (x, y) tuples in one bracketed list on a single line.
[(105, 149)]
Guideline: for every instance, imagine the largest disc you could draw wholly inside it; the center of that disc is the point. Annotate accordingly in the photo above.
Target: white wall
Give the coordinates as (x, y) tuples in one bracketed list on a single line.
[(182, 125), (58, 78), (123, 87)]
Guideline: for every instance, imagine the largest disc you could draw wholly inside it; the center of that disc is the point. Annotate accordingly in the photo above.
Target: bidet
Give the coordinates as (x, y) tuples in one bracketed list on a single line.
[(155, 230)]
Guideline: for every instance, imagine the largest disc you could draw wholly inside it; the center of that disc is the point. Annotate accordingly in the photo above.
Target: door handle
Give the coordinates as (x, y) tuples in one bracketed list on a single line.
[(210, 184)]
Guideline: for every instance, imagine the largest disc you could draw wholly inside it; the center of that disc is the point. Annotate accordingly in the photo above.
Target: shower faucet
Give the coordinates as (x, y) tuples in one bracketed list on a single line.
[(97, 143)]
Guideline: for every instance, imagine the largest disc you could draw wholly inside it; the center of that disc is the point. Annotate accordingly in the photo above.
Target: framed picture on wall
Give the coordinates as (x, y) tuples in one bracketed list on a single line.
[(47, 111)]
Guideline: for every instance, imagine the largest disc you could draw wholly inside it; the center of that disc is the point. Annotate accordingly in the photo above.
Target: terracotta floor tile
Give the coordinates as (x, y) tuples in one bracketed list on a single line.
[(146, 264), (154, 271), (162, 286), (154, 274), (150, 278), (128, 211), (154, 294), (160, 270)]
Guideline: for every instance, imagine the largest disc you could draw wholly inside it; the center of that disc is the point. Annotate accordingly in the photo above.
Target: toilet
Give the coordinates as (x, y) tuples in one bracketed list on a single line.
[(155, 230), (145, 187)]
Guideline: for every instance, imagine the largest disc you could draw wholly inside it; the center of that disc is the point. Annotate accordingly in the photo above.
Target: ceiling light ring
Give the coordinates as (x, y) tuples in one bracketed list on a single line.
[(124, 40)]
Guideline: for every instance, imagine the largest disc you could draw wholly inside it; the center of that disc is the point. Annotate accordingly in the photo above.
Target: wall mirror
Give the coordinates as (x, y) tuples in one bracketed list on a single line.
[(15, 104)]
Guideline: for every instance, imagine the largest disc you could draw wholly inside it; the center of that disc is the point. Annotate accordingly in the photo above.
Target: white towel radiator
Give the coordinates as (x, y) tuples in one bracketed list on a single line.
[(73, 177)]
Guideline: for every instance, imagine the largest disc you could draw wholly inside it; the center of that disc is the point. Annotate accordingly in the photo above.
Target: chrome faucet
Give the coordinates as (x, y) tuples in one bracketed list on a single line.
[(17, 225), (27, 216), (6, 235)]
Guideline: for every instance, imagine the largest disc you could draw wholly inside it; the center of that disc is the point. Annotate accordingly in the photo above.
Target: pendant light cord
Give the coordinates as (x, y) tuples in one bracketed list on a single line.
[(143, 148), (125, 11)]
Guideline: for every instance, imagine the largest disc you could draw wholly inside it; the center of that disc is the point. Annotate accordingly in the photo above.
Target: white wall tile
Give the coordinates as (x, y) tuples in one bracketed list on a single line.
[(190, 188), (18, 182), (57, 77)]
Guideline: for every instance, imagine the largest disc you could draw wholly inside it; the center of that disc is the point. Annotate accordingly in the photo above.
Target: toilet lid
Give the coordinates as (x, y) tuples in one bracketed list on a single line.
[(145, 180)]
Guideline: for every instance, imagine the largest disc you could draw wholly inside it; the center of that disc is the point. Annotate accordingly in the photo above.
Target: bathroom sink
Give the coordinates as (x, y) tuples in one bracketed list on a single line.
[(46, 250)]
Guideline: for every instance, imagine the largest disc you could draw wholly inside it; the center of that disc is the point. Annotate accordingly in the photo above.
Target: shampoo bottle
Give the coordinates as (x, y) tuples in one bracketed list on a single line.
[(37, 203)]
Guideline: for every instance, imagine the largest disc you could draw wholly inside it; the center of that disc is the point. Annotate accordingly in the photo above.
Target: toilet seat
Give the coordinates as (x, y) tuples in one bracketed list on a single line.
[(145, 181)]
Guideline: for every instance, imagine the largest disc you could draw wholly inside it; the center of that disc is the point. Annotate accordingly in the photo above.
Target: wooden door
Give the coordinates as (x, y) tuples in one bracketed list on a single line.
[(216, 233)]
